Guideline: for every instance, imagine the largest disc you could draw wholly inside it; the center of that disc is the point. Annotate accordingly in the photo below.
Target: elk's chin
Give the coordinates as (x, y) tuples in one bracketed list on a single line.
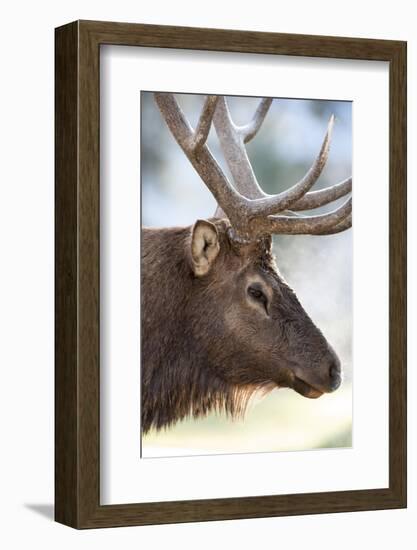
[(305, 389)]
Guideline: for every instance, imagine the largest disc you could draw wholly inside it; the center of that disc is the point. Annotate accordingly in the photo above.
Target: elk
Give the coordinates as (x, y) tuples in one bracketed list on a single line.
[(219, 322)]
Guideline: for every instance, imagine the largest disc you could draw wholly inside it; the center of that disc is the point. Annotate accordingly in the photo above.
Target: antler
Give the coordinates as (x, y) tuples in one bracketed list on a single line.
[(253, 213)]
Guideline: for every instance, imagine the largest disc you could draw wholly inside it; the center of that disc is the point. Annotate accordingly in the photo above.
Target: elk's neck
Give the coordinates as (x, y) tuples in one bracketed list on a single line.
[(176, 379)]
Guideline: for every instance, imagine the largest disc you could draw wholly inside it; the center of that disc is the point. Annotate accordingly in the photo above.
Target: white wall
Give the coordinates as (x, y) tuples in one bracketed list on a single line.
[(26, 273)]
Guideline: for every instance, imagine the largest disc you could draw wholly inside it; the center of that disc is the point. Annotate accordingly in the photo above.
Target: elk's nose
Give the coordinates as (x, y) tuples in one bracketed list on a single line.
[(335, 374)]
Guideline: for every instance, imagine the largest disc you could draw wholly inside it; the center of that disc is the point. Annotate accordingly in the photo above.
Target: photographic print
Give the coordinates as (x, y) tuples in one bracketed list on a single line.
[(246, 305)]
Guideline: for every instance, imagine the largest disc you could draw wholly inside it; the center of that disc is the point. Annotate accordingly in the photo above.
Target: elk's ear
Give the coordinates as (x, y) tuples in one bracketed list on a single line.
[(204, 247)]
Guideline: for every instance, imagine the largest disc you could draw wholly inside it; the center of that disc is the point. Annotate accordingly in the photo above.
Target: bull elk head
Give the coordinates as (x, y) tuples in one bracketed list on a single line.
[(235, 324)]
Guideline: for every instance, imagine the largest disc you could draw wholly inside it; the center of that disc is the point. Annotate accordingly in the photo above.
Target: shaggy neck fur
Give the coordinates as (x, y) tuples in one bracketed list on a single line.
[(176, 380)]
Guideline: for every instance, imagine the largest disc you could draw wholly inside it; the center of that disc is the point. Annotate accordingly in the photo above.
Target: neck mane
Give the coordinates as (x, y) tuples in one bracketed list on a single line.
[(177, 381)]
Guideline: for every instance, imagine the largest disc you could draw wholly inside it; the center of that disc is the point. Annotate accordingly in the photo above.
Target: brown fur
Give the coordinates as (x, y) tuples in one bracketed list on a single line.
[(206, 345)]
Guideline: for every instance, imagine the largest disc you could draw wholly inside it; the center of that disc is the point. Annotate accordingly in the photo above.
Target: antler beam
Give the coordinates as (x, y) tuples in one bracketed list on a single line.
[(200, 157)]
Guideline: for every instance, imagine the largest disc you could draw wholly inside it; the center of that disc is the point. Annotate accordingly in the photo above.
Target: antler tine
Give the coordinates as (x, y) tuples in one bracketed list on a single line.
[(204, 124), (250, 130), (231, 138), (315, 199), (232, 143), (274, 204), (338, 228), (305, 225)]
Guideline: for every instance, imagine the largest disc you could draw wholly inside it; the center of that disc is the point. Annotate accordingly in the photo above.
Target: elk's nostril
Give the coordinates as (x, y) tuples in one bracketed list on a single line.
[(334, 372), (334, 375)]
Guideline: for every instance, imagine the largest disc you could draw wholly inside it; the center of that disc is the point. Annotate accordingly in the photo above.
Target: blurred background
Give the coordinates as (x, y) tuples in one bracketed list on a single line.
[(318, 268)]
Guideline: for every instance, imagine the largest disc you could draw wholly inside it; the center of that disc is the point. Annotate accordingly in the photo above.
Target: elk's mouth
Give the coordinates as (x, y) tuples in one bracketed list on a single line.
[(305, 389)]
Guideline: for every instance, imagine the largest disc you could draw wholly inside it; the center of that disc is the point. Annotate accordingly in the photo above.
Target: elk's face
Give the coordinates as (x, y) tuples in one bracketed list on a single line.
[(255, 330)]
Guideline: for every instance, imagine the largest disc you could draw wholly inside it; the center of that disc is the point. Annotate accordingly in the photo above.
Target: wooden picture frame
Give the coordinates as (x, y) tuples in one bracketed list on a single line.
[(77, 372)]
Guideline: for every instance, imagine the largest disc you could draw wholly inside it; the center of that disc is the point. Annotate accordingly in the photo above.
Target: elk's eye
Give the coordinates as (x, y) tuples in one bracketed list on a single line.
[(257, 294)]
